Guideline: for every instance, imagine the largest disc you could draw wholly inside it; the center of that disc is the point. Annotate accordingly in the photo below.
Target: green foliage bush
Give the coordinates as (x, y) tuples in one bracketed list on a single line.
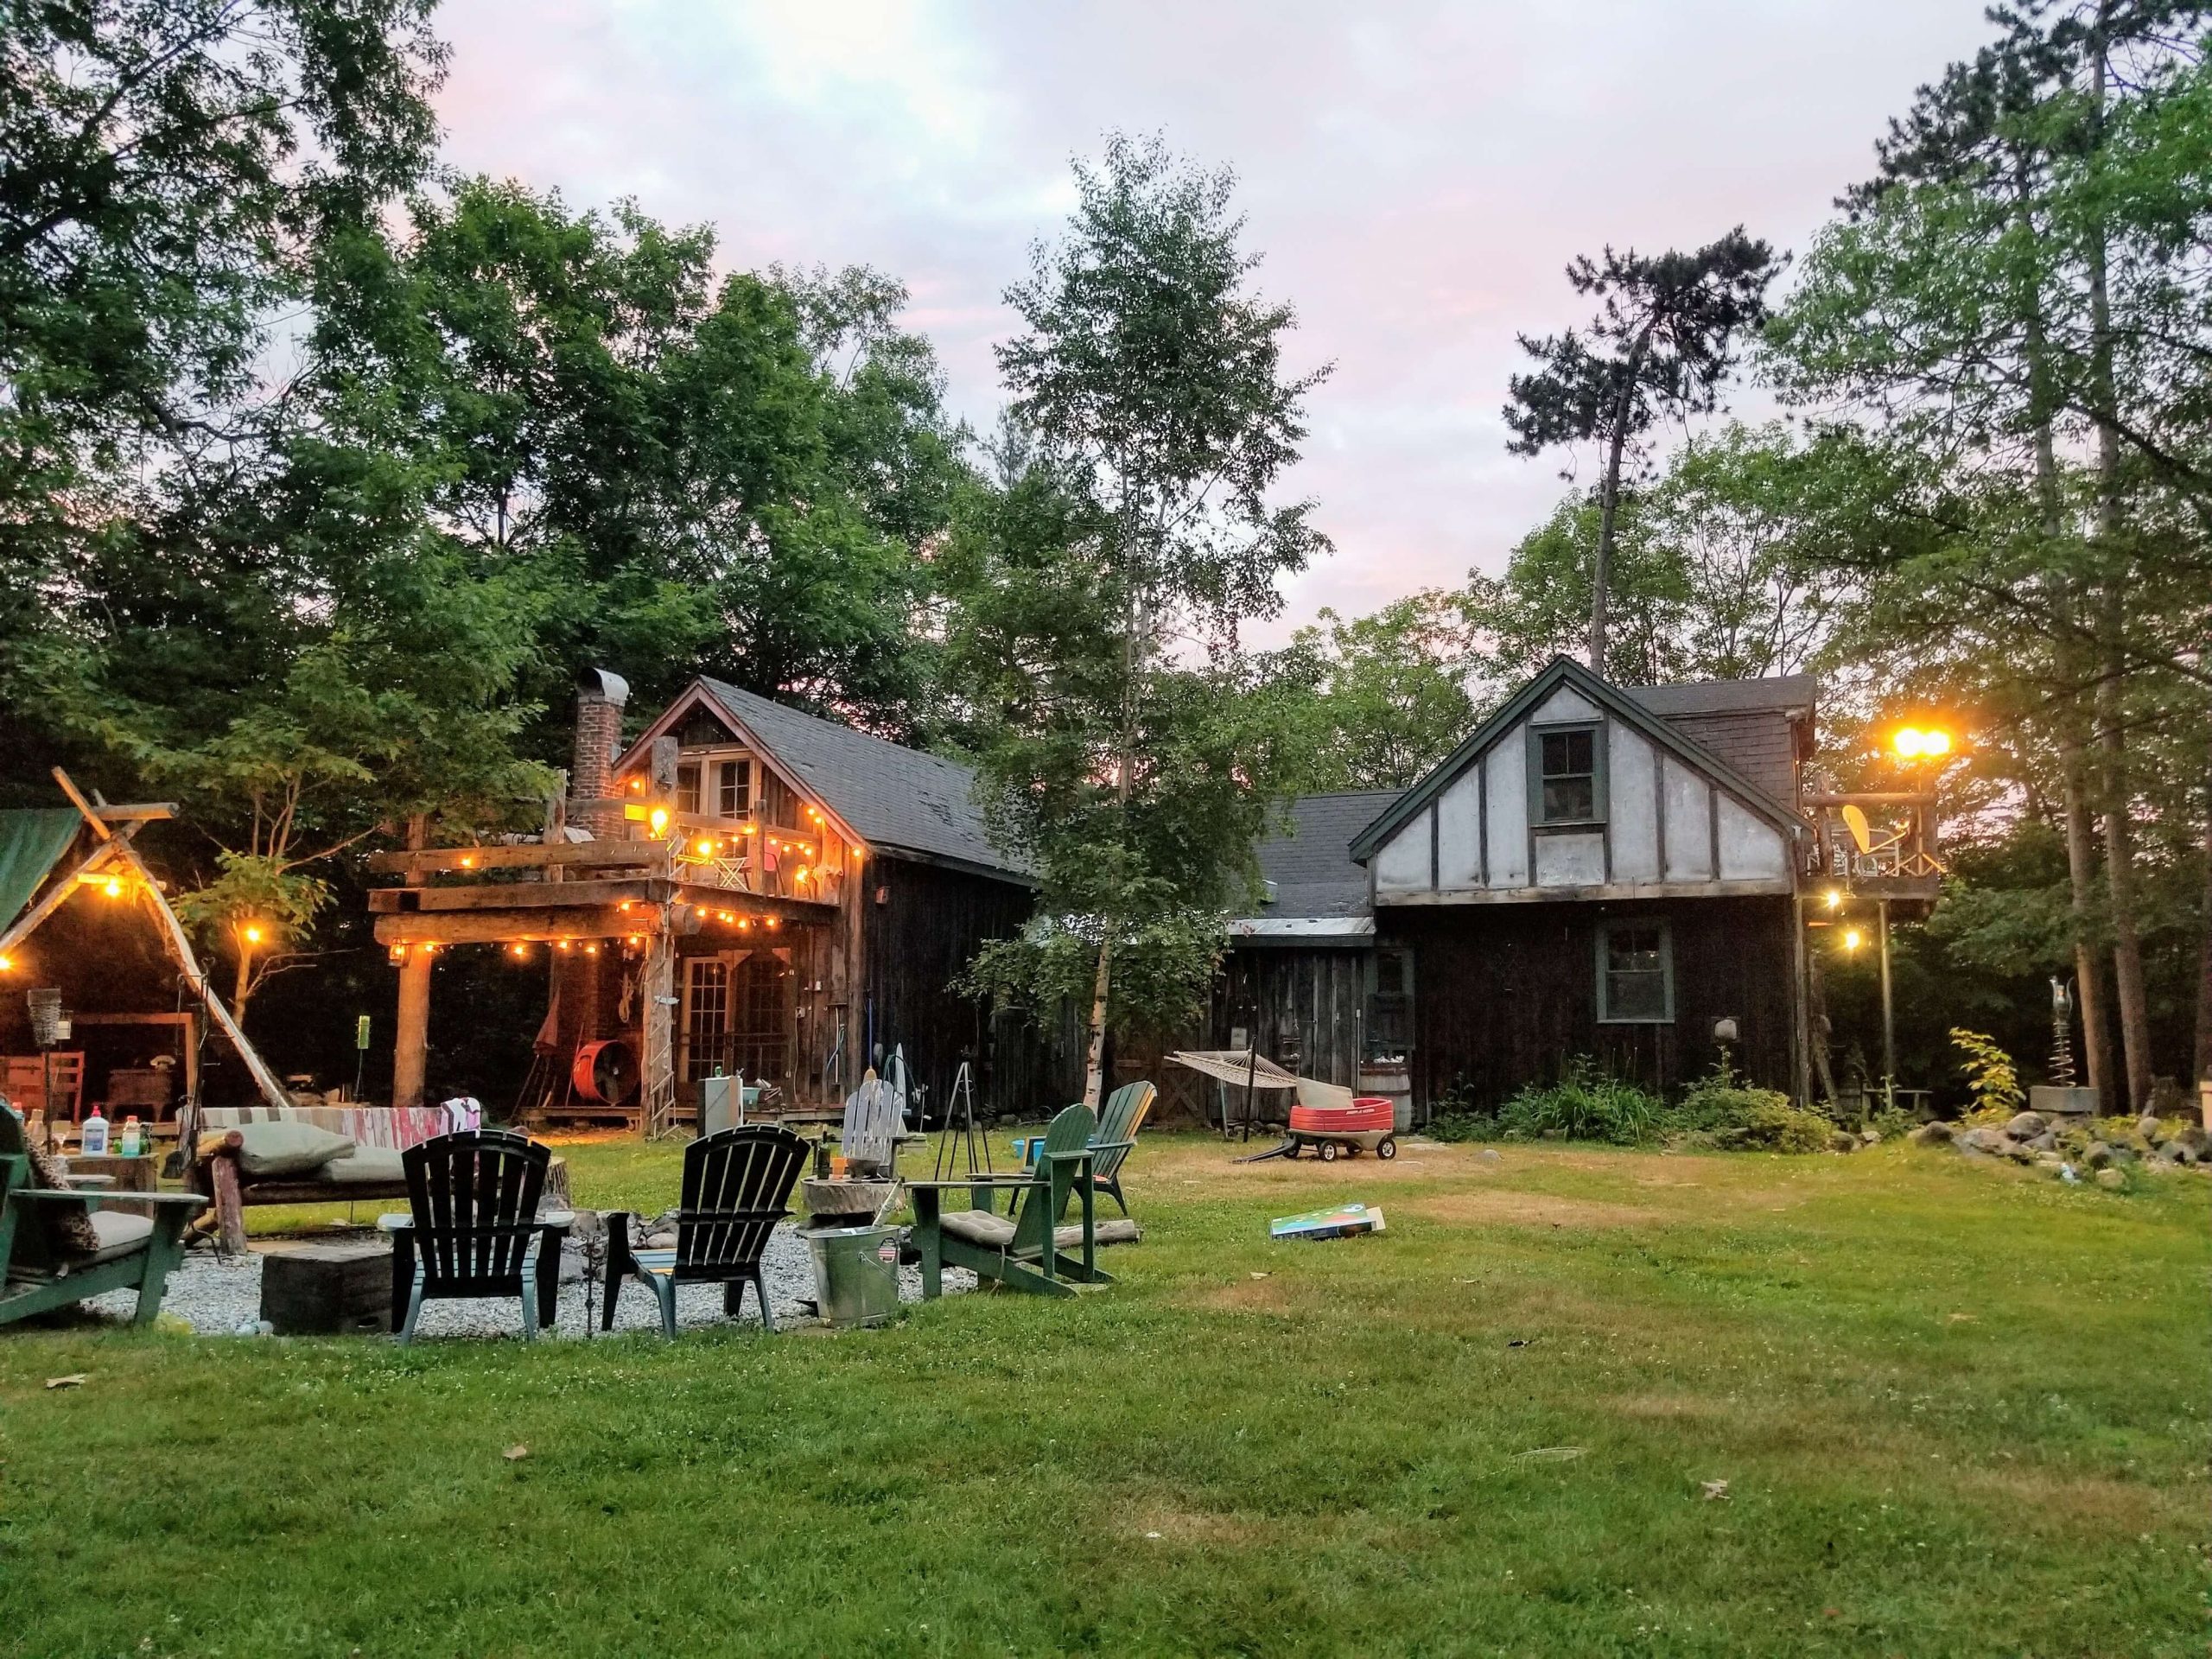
[(1722, 1108), (1990, 1074), (1584, 1105)]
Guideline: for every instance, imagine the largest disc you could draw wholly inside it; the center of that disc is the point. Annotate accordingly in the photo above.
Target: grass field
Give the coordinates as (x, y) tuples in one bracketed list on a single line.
[(1959, 1409)]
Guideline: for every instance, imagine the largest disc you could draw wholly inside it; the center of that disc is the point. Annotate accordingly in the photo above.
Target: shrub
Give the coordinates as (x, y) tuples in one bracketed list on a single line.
[(1722, 1108), (1990, 1075), (1461, 1125), (1584, 1105)]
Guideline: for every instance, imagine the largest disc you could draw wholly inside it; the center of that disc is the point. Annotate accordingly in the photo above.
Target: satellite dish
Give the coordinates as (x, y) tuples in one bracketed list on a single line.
[(1854, 819)]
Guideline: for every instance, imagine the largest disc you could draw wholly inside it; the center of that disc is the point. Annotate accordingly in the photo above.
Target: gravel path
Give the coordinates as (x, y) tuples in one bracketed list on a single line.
[(221, 1297)]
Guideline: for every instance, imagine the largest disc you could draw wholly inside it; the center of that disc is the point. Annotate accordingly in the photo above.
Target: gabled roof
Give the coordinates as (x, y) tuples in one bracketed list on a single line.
[(894, 799), (1784, 693), (1625, 707), (1308, 864)]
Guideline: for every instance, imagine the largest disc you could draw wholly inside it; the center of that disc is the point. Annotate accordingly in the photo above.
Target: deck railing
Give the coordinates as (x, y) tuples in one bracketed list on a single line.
[(1885, 838)]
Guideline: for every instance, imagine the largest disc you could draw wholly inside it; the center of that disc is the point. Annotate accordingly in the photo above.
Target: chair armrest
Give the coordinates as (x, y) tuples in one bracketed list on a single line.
[(975, 1180), (1111, 1146), (189, 1200), (396, 1223)]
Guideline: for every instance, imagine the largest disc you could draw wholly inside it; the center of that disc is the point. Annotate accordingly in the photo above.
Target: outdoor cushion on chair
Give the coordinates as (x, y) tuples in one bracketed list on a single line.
[(271, 1149), (365, 1166), (119, 1235)]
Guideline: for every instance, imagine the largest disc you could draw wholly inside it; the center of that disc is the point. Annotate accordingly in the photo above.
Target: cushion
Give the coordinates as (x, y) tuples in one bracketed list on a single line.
[(119, 1235), (271, 1149), (366, 1165), (1119, 1230), (995, 1232), (68, 1227)]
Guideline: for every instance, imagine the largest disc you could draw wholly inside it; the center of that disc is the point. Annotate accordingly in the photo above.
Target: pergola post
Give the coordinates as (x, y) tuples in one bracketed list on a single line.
[(412, 1032)]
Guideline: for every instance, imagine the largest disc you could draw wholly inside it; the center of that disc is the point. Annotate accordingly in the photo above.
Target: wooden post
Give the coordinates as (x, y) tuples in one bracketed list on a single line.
[(411, 1032), (229, 1202), (1889, 1017), (410, 1040)]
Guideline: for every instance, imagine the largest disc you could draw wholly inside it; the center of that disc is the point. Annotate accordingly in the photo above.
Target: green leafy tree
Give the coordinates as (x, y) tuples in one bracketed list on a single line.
[(1374, 702), (1665, 336), (1096, 598)]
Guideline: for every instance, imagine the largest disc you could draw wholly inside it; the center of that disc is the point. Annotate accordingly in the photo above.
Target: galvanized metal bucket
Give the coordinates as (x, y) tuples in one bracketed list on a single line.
[(856, 1273)]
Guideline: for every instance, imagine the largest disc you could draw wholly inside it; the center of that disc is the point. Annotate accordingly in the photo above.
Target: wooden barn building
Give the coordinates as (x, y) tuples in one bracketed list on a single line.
[(742, 890), (1597, 870)]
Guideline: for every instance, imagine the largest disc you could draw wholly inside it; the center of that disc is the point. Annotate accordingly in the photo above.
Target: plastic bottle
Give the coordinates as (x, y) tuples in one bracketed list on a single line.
[(132, 1141), (92, 1141)]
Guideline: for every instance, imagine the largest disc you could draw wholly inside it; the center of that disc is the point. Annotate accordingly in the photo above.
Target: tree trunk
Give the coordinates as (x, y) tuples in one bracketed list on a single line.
[(2088, 973), (1601, 566), (2112, 625), (1094, 1076), (2204, 960)]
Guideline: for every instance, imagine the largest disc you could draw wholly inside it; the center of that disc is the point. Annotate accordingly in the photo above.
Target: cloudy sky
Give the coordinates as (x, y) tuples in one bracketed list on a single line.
[(1417, 175)]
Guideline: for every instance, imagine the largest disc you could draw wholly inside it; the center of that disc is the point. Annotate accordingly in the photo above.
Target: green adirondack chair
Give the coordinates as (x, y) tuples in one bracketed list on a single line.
[(38, 1274), (1119, 1120), (1026, 1249)]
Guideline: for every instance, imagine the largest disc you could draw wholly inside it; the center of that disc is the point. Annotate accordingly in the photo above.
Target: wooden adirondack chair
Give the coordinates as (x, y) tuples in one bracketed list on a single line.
[(874, 1119), (37, 1274), (475, 1231), (1026, 1249), (1119, 1120), (736, 1184)]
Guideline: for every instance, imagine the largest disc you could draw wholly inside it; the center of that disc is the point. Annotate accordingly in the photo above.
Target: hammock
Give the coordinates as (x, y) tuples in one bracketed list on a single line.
[(1235, 1065)]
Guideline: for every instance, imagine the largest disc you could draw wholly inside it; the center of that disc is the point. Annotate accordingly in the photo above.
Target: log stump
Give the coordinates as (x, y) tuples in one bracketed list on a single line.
[(327, 1290)]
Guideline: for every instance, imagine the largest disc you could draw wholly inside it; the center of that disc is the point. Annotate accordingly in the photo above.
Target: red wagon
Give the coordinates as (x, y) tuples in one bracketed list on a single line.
[(1369, 1122)]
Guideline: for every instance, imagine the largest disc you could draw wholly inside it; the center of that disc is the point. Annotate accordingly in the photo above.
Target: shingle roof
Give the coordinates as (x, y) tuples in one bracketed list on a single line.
[(1311, 863), (894, 798), (1784, 692)]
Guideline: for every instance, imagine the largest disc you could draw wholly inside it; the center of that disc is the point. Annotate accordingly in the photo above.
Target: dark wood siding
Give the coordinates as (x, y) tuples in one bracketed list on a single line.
[(927, 926), (1505, 994), (1302, 1008)]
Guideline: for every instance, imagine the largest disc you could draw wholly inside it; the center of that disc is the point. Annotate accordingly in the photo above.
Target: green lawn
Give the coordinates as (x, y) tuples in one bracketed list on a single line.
[(1959, 1409)]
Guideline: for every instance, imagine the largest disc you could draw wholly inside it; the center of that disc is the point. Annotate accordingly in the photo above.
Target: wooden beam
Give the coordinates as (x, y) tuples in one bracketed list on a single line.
[(1763, 887), (510, 926), (756, 904), (58, 892), (520, 895), (411, 1042), (271, 1090), (453, 861), (92, 814)]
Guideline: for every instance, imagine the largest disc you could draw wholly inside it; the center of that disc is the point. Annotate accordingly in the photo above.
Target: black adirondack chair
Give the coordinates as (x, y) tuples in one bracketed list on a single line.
[(736, 1184), (475, 1231)]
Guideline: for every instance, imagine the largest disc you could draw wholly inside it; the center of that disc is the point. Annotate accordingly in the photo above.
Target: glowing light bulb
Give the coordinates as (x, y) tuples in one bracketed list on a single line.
[(658, 819), (1853, 938), (113, 889), (252, 934), (1907, 742), (1835, 898)]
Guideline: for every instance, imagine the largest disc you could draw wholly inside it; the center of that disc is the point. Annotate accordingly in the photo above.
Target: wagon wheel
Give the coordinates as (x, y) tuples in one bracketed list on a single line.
[(1387, 1147), (1328, 1152)]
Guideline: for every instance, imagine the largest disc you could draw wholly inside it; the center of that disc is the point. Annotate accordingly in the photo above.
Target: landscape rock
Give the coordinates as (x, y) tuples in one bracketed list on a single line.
[(1843, 1141), (1870, 1137), (2111, 1179), (2021, 1153), (2147, 1128), (2194, 1137), (2025, 1126), (2098, 1155), (1938, 1134), (1990, 1141), (2046, 1141), (2172, 1152)]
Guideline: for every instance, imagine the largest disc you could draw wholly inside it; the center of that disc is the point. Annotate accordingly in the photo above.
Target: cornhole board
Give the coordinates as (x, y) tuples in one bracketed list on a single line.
[(1345, 1221)]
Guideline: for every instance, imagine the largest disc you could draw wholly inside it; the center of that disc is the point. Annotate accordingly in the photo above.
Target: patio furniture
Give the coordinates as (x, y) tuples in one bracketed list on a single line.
[(875, 1118), (371, 1171), (1119, 1120), (737, 1183), (1024, 1249), (474, 1231), (47, 1262)]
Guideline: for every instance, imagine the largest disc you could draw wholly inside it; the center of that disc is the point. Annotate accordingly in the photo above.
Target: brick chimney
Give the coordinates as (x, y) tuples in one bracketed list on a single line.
[(599, 697)]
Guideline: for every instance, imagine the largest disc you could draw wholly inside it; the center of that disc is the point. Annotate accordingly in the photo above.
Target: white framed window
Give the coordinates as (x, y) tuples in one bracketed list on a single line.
[(1636, 973)]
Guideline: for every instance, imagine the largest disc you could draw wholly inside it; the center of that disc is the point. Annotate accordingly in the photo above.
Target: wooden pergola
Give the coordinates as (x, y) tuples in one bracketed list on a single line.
[(557, 892)]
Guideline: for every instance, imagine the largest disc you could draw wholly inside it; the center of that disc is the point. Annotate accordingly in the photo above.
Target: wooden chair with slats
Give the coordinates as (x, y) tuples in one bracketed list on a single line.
[(474, 1231), (737, 1185)]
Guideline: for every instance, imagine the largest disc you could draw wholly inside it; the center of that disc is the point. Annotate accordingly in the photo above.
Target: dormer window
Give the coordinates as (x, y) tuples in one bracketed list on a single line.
[(1569, 775), (687, 789)]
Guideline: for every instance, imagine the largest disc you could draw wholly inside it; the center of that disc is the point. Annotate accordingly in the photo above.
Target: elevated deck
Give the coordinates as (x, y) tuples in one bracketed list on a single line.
[(1877, 846)]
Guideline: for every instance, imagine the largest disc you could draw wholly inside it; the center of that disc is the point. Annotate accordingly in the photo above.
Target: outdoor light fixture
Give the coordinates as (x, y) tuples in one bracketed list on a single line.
[(1853, 938), (112, 887), (519, 949), (1835, 898), (252, 934), (1917, 743), (7, 964), (467, 861), (658, 820), (706, 847)]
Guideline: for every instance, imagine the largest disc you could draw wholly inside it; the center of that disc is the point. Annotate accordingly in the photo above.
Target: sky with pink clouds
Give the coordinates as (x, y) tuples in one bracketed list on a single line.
[(1416, 174)]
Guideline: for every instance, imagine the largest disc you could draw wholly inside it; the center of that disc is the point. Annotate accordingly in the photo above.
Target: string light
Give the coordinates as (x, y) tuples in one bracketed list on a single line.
[(7, 964), (252, 934), (113, 889), (1853, 938), (1835, 898), (467, 861)]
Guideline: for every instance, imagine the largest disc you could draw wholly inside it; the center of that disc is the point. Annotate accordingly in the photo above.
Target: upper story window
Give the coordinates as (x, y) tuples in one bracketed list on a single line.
[(1567, 771), (732, 788), (687, 789)]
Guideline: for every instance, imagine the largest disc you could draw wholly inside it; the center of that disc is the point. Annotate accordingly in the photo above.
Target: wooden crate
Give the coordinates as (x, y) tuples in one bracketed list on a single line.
[(327, 1290)]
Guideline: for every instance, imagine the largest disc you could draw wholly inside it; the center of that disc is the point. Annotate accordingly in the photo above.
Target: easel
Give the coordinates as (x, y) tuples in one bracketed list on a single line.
[(959, 1132)]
